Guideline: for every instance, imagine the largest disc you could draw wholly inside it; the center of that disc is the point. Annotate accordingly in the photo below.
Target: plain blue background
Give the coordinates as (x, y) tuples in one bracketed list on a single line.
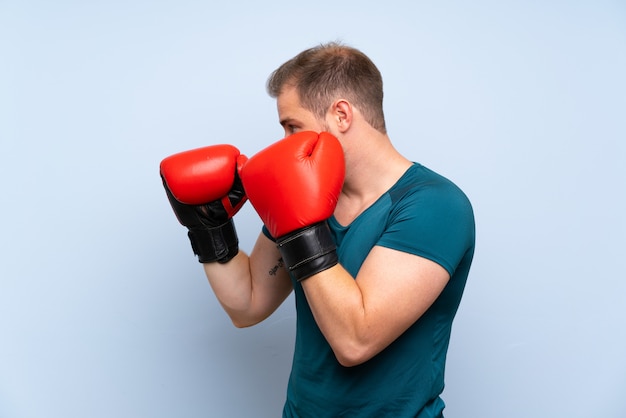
[(104, 312)]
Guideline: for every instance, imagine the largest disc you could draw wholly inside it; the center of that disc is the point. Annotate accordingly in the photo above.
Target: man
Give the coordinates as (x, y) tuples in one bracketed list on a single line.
[(378, 277)]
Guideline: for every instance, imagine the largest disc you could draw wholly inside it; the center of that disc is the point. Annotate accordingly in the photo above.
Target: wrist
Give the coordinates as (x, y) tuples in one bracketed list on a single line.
[(217, 244), (308, 250)]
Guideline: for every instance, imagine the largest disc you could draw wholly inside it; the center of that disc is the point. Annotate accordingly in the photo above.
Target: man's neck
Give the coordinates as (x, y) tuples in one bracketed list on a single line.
[(373, 166)]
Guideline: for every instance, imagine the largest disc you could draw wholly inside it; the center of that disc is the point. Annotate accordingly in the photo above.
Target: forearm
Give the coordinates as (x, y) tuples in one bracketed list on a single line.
[(231, 283), (361, 317), (250, 288), (339, 308)]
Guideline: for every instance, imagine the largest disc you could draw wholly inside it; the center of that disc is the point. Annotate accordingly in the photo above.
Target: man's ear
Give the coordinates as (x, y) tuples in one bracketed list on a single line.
[(342, 114)]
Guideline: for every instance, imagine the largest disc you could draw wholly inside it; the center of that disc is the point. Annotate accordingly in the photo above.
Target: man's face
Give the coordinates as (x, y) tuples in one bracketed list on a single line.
[(293, 117)]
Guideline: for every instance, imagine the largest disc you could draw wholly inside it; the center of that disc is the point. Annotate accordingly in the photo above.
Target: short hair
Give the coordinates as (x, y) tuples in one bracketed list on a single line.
[(332, 71)]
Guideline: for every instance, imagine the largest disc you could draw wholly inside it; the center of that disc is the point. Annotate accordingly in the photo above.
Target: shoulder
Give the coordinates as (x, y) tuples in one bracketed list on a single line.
[(430, 217), (425, 188)]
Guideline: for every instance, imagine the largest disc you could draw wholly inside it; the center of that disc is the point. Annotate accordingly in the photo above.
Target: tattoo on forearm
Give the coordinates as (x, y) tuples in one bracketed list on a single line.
[(278, 265)]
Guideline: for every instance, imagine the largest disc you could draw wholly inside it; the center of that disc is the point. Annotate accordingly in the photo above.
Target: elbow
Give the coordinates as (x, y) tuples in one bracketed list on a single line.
[(350, 355), (348, 361), (245, 321), (241, 323)]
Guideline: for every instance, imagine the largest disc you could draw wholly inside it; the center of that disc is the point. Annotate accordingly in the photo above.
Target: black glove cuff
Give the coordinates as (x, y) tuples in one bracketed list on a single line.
[(215, 244), (308, 251)]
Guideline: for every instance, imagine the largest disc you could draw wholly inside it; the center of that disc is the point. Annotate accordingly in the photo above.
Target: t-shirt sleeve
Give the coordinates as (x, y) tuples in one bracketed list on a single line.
[(435, 222), (266, 232)]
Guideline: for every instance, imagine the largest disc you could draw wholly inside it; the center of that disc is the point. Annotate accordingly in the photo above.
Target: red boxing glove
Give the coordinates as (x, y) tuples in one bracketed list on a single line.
[(205, 192), (294, 185)]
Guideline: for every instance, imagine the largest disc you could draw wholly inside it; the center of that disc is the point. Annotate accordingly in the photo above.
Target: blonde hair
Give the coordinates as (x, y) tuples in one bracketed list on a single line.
[(333, 71)]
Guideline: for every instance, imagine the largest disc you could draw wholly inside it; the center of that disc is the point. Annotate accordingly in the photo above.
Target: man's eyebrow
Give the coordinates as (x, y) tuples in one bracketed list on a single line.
[(285, 121)]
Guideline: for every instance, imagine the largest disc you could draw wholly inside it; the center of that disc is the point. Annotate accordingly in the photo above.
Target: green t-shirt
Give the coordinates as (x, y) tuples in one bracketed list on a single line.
[(422, 214)]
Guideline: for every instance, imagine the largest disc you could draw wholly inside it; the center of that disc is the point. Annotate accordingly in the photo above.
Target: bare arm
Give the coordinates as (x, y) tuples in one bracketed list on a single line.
[(361, 317), (250, 288)]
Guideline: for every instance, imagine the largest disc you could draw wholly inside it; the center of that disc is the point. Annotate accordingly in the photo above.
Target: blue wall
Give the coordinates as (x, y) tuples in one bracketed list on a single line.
[(105, 313)]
